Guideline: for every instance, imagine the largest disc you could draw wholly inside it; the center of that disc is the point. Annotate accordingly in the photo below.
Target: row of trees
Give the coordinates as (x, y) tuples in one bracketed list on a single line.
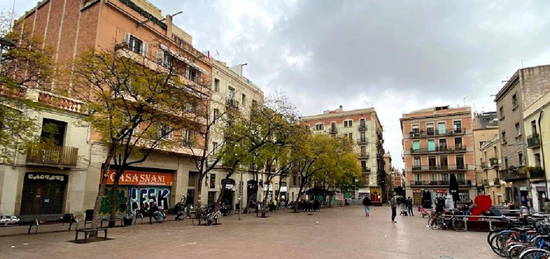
[(136, 111)]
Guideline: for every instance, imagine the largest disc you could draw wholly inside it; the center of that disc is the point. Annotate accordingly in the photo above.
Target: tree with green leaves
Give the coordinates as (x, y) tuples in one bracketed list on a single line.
[(136, 110)]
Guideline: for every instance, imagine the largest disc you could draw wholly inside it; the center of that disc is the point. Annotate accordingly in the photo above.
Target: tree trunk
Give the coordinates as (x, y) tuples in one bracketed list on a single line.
[(103, 182), (114, 201), (298, 198), (264, 202), (198, 192)]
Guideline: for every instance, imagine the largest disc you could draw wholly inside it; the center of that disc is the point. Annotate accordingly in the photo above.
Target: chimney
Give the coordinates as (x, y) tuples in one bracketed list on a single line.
[(169, 26)]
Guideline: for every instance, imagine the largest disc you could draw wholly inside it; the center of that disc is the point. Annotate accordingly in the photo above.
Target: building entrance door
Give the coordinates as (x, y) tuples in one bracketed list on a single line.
[(43, 194)]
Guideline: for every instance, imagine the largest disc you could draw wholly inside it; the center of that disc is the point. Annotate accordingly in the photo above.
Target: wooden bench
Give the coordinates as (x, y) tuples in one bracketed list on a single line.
[(88, 231)]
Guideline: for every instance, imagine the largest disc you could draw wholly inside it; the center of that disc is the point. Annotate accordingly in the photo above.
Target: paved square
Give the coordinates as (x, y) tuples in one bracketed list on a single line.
[(331, 233)]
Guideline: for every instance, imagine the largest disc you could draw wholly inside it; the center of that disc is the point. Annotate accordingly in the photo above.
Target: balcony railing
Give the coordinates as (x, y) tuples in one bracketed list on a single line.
[(364, 155), (533, 141), (438, 183), (333, 130), (484, 165), (232, 102), (485, 182), (493, 162), (496, 181), (362, 127), (513, 174), (440, 149), (362, 141), (436, 133), (440, 168), (536, 172), (52, 155)]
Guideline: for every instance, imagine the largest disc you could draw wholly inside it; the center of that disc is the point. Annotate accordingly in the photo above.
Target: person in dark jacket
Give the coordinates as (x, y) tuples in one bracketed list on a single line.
[(410, 206), (366, 203)]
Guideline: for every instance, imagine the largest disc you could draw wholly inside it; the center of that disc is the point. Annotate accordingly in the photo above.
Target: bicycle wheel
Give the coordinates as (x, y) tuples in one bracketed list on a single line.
[(432, 223), (534, 253), (459, 224), (498, 241), (515, 250)]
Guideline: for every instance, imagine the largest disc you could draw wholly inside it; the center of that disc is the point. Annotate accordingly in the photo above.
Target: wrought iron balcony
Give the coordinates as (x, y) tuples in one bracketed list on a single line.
[(362, 127), (231, 102), (362, 141), (496, 181), (364, 155), (536, 172), (485, 182), (533, 141), (52, 155), (514, 174), (463, 167), (493, 162), (436, 133), (333, 130), (440, 149)]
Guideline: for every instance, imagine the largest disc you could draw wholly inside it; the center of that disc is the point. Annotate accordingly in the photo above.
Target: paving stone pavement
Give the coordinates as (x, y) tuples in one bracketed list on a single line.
[(331, 233)]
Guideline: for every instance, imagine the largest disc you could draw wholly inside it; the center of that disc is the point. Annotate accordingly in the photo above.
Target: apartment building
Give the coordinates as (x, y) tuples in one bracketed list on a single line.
[(519, 103), (231, 88), (485, 129), (138, 30), (438, 142), (492, 184), (364, 130)]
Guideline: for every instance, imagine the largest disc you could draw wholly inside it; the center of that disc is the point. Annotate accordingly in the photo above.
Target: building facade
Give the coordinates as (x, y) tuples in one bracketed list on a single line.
[(138, 30), (231, 88), (365, 131), (490, 179), (485, 129), (516, 103), (438, 142)]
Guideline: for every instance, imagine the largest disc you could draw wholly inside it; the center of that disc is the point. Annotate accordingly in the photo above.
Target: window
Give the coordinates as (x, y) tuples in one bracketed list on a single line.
[(216, 84), (457, 126), (431, 145), (520, 158), (333, 126), (319, 126), (458, 142), (537, 160), (189, 137), (192, 74), (503, 137), (441, 128), (459, 162), (363, 151), (481, 143), (415, 130), (167, 58), (212, 181), (349, 136), (518, 129), (136, 45), (214, 147), (431, 162), (514, 101), (254, 103), (364, 165), (348, 123), (416, 145), (443, 162), (433, 177), (363, 137), (501, 112), (442, 144), (460, 178), (53, 132), (534, 127), (215, 115), (165, 131), (430, 129), (417, 178), (362, 123), (243, 99), (446, 177), (505, 162), (416, 162)]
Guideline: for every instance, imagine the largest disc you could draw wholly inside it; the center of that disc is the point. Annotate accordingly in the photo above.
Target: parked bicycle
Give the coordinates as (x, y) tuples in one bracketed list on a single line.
[(523, 238), (206, 216)]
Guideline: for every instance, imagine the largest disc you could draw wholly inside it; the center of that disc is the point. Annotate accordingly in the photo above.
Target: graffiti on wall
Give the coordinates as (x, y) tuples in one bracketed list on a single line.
[(140, 195)]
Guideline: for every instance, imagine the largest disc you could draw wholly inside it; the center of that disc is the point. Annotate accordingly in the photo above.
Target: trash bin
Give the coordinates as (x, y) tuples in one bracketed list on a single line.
[(89, 215)]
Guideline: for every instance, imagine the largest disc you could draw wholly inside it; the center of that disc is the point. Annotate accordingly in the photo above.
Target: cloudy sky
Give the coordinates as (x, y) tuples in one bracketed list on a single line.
[(397, 56)]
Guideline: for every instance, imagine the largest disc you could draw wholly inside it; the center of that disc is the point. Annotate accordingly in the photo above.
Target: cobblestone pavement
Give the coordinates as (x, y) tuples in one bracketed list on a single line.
[(331, 233)]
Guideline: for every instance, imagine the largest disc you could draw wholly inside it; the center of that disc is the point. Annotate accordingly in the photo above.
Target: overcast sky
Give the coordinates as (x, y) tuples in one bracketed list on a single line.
[(397, 56)]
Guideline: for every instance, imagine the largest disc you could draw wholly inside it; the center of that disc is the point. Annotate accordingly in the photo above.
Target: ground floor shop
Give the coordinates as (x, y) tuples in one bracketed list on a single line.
[(426, 197), (538, 194)]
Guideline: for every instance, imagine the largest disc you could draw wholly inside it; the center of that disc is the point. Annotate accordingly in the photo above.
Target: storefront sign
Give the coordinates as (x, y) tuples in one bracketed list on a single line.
[(48, 177), (132, 177)]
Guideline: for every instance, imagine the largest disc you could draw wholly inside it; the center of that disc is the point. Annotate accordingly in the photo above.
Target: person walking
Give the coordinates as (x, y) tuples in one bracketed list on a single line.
[(393, 204), (366, 203), (410, 206)]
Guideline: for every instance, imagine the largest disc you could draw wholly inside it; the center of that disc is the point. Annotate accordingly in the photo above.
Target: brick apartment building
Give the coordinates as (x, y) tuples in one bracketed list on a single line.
[(438, 142), (35, 185)]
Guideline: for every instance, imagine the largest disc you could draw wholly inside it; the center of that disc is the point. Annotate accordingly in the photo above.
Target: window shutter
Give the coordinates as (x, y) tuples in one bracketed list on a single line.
[(127, 39), (144, 49), (160, 56)]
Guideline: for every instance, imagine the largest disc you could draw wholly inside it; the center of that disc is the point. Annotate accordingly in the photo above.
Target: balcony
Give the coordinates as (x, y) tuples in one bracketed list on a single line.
[(362, 141), (496, 181), (514, 174), (493, 162), (365, 170), (536, 173), (436, 133), (364, 155), (533, 141), (440, 149), (441, 168), (439, 183), (485, 182), (52, 155), (484, 165), (362, 127), (333, 130)]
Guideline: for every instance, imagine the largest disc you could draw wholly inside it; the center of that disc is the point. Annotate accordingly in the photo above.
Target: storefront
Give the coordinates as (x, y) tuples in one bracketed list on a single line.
[(139, 186), (229, 192), (43, 193)]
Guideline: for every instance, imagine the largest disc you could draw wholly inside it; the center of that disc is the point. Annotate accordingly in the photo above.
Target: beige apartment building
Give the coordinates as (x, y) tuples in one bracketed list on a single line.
[(138, 30), (519, 103), (492, 183), (231, 88), (485, 129), (364, 130), (438, 142)]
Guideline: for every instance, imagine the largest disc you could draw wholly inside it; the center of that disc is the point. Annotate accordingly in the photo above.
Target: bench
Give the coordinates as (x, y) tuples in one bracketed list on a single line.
[(88, 231), (36, 222)]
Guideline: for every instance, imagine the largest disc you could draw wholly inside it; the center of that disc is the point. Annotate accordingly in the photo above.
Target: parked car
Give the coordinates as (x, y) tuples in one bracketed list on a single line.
[(6, 220)]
